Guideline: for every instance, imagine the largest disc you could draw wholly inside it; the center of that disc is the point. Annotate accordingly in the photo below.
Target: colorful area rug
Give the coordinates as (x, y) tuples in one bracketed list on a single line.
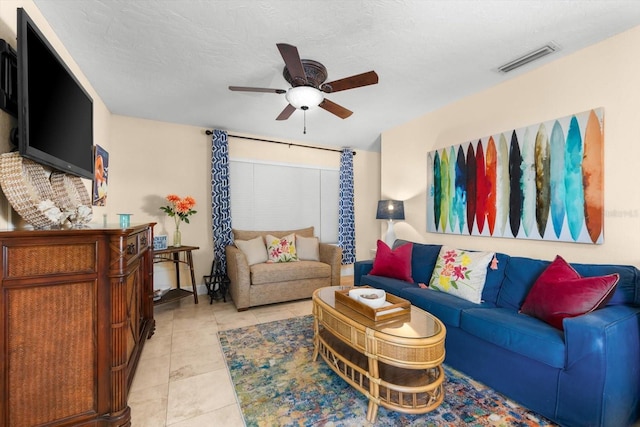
[(278, 384)]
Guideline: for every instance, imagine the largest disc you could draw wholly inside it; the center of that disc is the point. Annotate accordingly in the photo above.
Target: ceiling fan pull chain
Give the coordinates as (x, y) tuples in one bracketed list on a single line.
[(304, 119)]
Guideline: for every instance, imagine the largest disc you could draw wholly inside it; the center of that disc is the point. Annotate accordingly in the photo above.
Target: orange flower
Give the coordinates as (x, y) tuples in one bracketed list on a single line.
[(182, 206), (179, 209), (189, 201)]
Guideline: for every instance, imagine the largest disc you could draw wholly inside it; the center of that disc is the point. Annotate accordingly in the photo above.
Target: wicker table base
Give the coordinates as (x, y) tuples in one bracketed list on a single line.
[(396, 364)]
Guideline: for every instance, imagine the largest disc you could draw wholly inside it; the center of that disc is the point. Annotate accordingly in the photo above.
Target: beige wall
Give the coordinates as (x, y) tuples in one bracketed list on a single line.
[(101, 116), (150, 159), (604, 75)]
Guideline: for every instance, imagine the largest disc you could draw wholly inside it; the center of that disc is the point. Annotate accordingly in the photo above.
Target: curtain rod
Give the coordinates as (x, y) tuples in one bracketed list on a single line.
[(209, 132)]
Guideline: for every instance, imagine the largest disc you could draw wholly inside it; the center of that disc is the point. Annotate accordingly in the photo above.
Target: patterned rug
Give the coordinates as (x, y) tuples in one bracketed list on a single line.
[(278, 384)]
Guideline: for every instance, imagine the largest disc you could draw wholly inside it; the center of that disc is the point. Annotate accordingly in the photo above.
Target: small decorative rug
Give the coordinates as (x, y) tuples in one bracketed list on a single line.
[(278, 384)]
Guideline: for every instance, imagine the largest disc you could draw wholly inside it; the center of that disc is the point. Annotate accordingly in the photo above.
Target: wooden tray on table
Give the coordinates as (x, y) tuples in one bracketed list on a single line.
[(395, 306)]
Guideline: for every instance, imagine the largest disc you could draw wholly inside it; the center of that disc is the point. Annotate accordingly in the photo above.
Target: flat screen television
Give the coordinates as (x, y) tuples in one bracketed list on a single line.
[(55, 113)]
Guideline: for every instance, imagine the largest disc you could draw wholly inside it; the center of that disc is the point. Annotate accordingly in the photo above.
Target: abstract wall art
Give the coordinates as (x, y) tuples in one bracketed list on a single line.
[(542, 182)]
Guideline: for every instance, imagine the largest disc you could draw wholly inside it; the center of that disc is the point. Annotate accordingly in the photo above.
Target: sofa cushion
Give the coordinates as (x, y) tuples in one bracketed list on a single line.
[(495, 277), (393, 263), (519, 277), (281, 249), (515, 332), (393, 286), (254, 250), (283, 272), (561, 292), (445, 307), (423, 259), (252, 234), (461, 273), (628, 288), (308, 248)]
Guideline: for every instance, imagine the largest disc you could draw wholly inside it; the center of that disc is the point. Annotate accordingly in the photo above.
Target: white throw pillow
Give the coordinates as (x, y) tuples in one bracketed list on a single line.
[(308, 248), (461, 273), (254, 249)]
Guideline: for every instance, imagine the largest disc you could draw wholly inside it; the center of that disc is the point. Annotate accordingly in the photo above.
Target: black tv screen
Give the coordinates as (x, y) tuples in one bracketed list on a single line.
[(55, 113)]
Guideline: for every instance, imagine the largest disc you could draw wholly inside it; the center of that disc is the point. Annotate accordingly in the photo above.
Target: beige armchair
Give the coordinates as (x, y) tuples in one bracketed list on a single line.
[(268, 283)]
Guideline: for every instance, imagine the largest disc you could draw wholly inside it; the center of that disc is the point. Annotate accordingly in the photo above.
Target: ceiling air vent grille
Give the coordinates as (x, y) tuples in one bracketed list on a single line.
[(545, 50)]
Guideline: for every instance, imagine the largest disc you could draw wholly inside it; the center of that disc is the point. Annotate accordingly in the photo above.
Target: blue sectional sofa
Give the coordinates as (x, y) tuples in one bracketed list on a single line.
[(586, 375)]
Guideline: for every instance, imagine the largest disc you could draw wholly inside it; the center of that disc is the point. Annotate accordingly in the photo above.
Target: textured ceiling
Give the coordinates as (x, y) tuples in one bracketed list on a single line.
[(173, 60)]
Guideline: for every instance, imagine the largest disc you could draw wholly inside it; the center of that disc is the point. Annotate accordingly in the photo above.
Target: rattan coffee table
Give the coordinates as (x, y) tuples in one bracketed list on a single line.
[(396, 363)]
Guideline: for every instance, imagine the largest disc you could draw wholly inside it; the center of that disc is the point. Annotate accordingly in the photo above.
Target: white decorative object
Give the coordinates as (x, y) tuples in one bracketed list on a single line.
[(374, 298)]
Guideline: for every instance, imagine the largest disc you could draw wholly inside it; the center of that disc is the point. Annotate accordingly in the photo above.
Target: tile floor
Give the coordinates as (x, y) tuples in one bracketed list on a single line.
[(182, 379)]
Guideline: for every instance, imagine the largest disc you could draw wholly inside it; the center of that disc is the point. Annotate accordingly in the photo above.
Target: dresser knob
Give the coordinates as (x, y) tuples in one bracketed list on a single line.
[(131, 249)]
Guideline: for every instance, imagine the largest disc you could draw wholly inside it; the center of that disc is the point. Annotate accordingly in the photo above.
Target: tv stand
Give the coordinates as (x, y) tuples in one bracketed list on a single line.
[(76, 308)]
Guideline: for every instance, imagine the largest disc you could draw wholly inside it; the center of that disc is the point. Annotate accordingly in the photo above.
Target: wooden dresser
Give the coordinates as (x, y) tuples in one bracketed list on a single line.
[(76, 309)]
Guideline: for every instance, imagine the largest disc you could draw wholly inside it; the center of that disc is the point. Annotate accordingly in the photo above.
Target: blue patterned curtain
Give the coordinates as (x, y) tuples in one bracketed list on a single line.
[(220, 197), (346, 219)]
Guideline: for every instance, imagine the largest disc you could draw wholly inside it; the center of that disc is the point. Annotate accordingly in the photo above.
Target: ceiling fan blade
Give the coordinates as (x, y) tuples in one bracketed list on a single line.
[(294, 64), (336, 109), (286, 113), (359, 80), (256, 89)]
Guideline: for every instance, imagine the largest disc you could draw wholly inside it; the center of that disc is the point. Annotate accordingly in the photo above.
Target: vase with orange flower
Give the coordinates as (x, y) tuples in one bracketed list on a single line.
[(179, 209)]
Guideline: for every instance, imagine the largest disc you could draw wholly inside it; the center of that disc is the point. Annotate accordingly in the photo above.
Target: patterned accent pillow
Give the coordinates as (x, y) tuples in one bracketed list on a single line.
[(461, 273), (281, 249), (253, 249)]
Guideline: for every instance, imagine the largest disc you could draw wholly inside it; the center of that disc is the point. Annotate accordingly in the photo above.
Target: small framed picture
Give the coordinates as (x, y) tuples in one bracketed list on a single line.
[(159, 242)]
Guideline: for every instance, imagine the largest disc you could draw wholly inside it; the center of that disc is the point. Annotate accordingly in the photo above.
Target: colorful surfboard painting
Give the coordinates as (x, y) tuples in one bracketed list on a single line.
[(542, 182)]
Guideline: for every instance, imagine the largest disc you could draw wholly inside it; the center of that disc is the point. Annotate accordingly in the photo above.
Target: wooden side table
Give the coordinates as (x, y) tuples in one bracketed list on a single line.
[(178, 255)]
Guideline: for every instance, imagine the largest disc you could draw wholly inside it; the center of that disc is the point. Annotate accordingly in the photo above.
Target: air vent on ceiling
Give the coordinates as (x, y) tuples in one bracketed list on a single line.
[(545, 50)]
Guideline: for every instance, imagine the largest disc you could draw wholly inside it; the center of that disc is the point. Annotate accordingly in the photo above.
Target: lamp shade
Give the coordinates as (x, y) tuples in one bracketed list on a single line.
[(304, 96), (390, 209)]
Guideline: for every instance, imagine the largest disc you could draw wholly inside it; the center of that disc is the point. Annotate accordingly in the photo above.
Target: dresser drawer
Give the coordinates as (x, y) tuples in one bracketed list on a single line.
[(33, 260), (137, 243)]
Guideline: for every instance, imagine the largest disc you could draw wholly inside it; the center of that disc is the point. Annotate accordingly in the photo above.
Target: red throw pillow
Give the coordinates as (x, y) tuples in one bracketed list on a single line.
[(395, 264), (561, 292)]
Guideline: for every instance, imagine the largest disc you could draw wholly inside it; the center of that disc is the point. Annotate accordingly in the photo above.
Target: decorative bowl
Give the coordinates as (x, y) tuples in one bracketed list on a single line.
[(374, 298)]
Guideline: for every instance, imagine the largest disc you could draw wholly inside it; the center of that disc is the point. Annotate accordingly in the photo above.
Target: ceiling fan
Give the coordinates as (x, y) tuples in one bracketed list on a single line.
[(307, 84)]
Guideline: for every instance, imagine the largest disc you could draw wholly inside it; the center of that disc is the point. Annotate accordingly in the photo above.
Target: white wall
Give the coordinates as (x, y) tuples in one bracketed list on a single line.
[(604, 75)]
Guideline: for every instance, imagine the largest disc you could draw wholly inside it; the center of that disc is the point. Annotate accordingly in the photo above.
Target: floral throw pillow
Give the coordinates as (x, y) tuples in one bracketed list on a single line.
[(281, 249), (461, 273)]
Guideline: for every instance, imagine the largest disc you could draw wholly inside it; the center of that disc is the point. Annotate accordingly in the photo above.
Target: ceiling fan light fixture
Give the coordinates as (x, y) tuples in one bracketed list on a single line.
[(304, 96)]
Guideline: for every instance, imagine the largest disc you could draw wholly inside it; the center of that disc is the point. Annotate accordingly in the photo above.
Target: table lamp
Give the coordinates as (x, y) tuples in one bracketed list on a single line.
[(390, 210)]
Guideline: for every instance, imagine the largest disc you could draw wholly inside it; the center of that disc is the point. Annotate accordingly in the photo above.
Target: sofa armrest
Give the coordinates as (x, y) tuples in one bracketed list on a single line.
[(239, 277), (332, 255), (361, 268), (602, 359)]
